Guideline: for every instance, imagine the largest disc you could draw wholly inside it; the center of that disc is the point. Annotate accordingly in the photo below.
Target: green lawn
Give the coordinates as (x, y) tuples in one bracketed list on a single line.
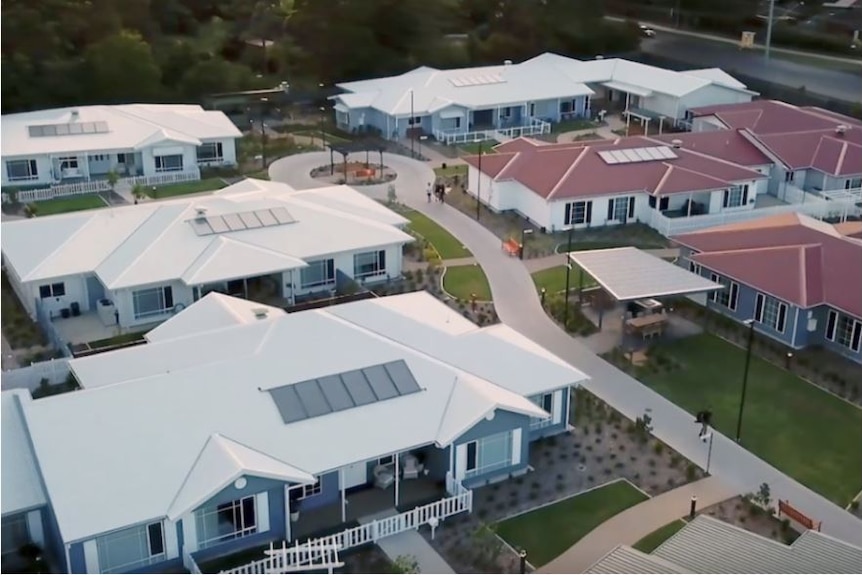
[(802, 430), (548, 531), (472, 148), (69, 204), (181, 189), (464, 281), (117, 340), (259, 175), (449, 171), (554, 279), (573, 125), (651, 542), (445, 243)]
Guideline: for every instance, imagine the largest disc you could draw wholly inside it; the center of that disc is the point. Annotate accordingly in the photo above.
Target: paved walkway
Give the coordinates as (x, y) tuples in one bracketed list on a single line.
[(410, 545), (635, 523), (517, 305)]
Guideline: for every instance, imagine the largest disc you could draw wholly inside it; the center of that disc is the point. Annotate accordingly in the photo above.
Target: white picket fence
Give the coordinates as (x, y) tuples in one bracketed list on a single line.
[(535, 127), (31, 376), (97, 186), (300, 555)]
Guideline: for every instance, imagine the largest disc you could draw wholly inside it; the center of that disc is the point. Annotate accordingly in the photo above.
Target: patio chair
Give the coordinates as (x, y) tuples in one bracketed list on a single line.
[(383, 476), (411, 467)]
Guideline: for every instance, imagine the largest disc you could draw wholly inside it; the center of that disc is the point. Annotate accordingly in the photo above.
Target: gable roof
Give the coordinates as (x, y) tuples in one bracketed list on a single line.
[(708, 545), (546, 76), (125, 126), (218, 382), (577, 169), (728, 145), (790, 256), (801, 138), (158, 241), (22, 484)]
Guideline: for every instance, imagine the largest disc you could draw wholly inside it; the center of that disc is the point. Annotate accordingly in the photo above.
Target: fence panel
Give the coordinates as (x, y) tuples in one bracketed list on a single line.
[(31, 376)]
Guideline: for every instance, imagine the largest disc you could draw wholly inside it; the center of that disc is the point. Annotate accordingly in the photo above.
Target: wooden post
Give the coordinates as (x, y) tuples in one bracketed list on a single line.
[(343, 495)]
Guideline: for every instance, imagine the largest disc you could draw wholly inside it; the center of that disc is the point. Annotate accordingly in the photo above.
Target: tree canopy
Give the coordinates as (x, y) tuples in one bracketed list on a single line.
[(66, 52)]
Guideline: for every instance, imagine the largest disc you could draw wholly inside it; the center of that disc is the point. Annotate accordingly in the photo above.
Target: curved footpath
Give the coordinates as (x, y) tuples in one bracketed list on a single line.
[(517, 304)]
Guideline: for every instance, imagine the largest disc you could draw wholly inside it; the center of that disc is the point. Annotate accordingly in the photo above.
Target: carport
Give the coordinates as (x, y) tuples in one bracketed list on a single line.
[(638, 280)]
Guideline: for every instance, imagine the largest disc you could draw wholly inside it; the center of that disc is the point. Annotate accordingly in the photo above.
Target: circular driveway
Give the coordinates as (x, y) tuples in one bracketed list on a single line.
[(413, 176)]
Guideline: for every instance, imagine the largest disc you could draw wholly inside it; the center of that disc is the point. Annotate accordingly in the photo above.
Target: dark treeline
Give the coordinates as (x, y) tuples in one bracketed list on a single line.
[(65, 52)]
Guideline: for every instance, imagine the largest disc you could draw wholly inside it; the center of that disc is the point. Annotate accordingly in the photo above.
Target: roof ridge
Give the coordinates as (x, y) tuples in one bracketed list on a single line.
[(64, 244), (800, 246), (841, 155), (663, 179), (506, 166), (568, 172)]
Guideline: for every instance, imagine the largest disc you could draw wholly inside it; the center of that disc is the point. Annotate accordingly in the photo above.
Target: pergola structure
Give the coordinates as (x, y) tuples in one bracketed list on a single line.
[(849, 201), (645, 116), (629, 274), (367, 145)]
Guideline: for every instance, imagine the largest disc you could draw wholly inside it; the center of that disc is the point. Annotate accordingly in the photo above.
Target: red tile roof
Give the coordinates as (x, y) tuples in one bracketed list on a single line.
[(790, 256), (557, 171), (728, 145), (801, 138)]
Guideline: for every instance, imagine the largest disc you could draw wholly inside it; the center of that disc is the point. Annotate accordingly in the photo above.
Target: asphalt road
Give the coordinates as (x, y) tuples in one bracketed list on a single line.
[(702, 53)]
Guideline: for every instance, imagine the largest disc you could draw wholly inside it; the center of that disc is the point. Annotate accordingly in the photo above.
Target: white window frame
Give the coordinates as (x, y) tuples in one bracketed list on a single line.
[(735, 197), (414, 121), (159, 163), (853, 184), (56, 289), (379, 269), (306, 491), (843, 329), (163, 300), (328, 266), (244, 531), (32, 170), (577, 212), (728, 297), (145, 542), (217, 156), (68, 162), (694, 267), (481, 467), (771, 312)]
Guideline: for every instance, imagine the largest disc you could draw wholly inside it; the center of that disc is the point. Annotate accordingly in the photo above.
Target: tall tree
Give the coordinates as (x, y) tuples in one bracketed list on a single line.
[(121, 68)]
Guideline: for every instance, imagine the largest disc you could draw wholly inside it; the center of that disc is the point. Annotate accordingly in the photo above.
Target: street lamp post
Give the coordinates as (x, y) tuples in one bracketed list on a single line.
[(524, 233), (263, 102), (769, 30), (479, 183), (568, 276), (750, 324)]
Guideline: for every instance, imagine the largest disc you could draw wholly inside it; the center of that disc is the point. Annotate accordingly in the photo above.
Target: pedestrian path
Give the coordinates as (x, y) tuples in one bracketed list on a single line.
[(635, 523), (410, 545)]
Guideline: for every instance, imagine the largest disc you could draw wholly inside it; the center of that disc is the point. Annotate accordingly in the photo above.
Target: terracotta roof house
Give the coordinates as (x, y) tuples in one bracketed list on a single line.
[(798, 278), (596, 183), (811, 149), (524, 98)]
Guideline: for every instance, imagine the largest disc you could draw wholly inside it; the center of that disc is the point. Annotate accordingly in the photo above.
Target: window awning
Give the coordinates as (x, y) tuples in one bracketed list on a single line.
[(448, 114), (630, 274), (628, 88)]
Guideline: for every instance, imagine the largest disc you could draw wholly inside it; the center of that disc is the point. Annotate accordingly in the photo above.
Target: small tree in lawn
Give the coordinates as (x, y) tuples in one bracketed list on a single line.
[(138, 192), (113, 178)]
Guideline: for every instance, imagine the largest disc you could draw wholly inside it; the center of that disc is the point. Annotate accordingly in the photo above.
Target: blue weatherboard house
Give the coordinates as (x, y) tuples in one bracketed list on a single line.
[(524, 99), (798, 278), (237, 424)]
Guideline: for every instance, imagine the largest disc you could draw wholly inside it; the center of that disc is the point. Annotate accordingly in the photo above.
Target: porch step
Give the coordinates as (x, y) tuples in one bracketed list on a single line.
[(409, 543)]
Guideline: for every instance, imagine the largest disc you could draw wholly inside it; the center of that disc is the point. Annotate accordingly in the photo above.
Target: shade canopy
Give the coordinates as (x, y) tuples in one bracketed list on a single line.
[(629, 274)]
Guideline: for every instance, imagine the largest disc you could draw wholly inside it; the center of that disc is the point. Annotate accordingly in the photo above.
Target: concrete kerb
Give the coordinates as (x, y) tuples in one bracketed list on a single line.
[(450, 296)]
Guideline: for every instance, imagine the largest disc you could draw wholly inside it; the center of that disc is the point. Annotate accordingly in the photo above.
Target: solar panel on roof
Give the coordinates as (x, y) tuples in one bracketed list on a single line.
[(266, 218), (218, 224), (404, 381), (335, 392), (607, 157), (358, 387), (201, 227), (62, 129), (667, 152), (381, 383), (631, 155), (88, 128), (642, 154), (289, 406), (282, 215), (76, 129), (312, 398), (653, 153), (250, 220), (234, 222), (101, 127)]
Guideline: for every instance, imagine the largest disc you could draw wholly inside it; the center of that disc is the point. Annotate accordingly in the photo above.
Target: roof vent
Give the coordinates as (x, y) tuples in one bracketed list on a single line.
[(200, 213), (75, 115), (600, 57), (677, 143), (507, 62), (841, 130), (260, 312)]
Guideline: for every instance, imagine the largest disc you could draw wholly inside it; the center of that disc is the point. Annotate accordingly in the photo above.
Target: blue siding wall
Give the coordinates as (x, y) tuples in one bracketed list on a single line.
[(437, 462), (254, 485), (818, 336), (503, 421), (76, 558), (799, 321), (54, 547), (329, 493), (557, 428)]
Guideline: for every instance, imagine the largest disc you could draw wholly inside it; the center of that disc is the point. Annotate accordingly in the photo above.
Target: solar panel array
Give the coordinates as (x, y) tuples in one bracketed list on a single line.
[(342, 391), (477, 80), (208, 225), (71, 129), (637, 155)]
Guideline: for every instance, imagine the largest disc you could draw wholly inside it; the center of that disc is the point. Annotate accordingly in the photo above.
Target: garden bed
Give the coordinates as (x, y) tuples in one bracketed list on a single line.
[(742, 513), (601, 447), (358, 174), (467, 283), (20, 331), (445, 244)]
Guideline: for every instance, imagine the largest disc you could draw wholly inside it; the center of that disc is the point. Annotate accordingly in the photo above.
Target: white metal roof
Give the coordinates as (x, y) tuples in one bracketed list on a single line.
[(132, 435), (156, 242), (129, 127), (628, 88), (625, 559), (21, 486), (629, 274), (543, 77), (213, 311)]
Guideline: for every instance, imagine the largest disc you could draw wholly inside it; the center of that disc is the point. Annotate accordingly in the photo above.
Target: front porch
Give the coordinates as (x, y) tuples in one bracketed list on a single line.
[(529, 127), (365, 502)]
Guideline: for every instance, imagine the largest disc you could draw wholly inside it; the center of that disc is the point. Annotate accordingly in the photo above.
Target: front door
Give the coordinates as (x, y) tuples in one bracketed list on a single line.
[(355, 475)]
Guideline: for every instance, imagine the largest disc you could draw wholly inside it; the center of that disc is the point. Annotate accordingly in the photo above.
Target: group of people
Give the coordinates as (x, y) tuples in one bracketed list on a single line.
[(437, 190)]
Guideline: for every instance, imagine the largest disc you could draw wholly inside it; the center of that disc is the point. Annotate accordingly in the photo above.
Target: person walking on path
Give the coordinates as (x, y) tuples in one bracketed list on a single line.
[(428, 192)]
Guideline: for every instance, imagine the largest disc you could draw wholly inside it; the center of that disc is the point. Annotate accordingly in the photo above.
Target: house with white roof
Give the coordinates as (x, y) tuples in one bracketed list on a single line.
[(512, 100), (229, 430), (136, 265), (79, 144)]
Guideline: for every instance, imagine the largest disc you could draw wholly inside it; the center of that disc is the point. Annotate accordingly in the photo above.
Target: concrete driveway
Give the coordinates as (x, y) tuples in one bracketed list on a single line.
[(517, 304)]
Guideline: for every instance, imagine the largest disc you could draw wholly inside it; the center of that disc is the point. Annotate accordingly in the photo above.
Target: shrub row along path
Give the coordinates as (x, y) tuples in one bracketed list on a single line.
[(635, 523), (517, 304)]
